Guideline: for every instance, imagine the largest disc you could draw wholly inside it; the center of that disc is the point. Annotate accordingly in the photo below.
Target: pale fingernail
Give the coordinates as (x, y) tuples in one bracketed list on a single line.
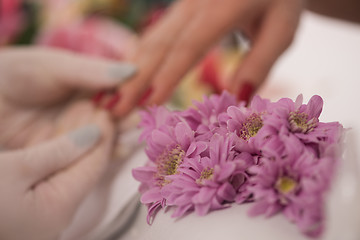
[(86, 136), (122, 72)]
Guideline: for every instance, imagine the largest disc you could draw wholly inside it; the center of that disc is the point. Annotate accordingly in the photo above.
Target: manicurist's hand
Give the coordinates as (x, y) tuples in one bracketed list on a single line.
[(190, 28)]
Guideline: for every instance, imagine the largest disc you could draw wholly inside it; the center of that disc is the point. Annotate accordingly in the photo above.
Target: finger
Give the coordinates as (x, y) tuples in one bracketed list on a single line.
[(77, 179), (275, 35), (66, 70), (88, 73), (194, 42), (41, 161), (74, 115), (151, 53)]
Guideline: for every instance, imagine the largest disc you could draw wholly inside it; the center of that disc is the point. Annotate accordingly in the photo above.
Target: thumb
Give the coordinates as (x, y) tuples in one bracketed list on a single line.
[(91, 73), (41, 161)]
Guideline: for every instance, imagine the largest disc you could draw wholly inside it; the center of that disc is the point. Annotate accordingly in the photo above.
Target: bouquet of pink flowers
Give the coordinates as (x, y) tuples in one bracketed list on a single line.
[(277, 155)]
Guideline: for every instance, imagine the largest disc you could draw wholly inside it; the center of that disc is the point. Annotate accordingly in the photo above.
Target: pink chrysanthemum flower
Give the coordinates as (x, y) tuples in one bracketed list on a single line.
[(208, 183), (204, 118), (303, 120), (247, 122), (294, 182), (166, 151), (156, 118)]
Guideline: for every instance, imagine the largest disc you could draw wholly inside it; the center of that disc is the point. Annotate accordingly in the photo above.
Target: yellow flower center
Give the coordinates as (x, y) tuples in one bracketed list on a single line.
[(168, 163), (251, 126), (206, 174), (285, 185), (299, 122)]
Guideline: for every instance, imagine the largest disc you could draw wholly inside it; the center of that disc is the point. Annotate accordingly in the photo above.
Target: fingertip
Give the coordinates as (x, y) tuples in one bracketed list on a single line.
[(96, 99), (120, 113), (113, 101), (130, 100), (122, 107), (145, 97), (245, 91), (158, 97)]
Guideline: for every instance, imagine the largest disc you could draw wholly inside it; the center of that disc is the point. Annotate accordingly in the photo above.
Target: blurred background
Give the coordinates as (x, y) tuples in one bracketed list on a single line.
[(110, 29)]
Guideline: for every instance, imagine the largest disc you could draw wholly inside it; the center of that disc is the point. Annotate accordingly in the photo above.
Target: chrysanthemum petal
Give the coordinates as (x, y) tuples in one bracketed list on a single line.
[(298, 102), (150, 196), (202, 209), (204, 196), (225, 171), (153, 209), (184, 135), (258, 208), (226, 192), (162, 138), (181, 210), (314, 107), (258, 104), (143, 174)]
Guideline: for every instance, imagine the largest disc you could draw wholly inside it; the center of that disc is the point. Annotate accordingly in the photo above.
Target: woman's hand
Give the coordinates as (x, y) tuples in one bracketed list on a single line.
[(37, 90), (42, 186), (47, 168), (190, 28)]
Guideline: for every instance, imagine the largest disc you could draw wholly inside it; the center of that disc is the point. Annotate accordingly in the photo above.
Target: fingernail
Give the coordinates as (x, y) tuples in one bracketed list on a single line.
[(97, 97), (86, 136), (246, 91), (112, 102), (122, 72), (145, 96)]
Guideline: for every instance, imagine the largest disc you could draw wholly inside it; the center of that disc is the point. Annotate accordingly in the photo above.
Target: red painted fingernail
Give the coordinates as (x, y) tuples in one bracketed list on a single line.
[(145, 96), (112, 102), (245, 92), (97, 97), (210, 73)]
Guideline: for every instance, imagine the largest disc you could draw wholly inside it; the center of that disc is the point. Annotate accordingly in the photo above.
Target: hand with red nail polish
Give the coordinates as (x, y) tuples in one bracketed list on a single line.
[(98, 97), (188, 30), (114, 99), (145, 97)]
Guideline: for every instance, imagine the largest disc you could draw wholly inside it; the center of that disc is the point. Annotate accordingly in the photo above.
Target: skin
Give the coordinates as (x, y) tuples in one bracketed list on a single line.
[(38, 87), (191, 28), (41, 167)]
